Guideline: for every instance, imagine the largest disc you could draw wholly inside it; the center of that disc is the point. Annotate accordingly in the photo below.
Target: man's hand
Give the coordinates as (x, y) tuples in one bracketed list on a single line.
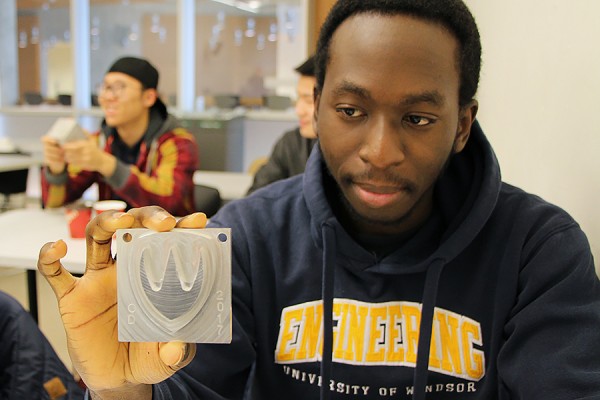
[(86, 154), (54, 156), (88, 308)]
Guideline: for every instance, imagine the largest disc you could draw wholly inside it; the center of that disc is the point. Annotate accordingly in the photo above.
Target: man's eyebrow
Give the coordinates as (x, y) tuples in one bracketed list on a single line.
[(432, 97), (347, 87)]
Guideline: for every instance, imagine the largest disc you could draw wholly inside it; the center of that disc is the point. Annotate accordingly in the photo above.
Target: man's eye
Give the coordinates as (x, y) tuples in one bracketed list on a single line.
[(418, 120), (350, 112)]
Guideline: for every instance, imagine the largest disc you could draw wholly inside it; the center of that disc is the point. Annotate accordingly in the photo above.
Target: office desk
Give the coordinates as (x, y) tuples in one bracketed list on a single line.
[(25, 231), (231, 185)]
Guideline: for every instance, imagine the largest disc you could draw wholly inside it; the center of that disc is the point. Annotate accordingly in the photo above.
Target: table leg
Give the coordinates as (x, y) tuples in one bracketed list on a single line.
[(32, 292)]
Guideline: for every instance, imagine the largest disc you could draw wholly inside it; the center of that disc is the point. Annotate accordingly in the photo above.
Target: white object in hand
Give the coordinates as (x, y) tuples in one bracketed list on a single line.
[(66, 130)]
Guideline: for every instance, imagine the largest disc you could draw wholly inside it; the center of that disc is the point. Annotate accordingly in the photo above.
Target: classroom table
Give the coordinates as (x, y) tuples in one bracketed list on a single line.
[(25, 231), (231, 185), (17, 161)]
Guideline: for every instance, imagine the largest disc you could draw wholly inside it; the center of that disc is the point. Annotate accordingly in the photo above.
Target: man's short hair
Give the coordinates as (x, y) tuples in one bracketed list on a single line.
[(307, 68), (451, 14)]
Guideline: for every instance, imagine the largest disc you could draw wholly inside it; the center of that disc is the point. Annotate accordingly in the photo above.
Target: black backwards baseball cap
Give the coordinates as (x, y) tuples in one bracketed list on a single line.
[(144, 72)]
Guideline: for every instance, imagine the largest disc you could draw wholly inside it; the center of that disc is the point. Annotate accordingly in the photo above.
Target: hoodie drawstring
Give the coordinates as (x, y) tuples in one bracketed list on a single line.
[(432, 279), (328, 271), (430, 291)]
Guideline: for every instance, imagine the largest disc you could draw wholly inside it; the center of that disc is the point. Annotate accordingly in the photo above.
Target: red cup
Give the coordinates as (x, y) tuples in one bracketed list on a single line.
[(77, 219)]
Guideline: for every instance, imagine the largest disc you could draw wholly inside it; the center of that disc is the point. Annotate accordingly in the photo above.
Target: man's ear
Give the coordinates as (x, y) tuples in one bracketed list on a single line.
[(317, 101), (465, 121), (149, 97)]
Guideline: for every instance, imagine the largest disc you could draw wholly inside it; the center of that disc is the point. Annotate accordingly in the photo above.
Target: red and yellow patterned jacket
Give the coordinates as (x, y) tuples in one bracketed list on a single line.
[(162, 175)]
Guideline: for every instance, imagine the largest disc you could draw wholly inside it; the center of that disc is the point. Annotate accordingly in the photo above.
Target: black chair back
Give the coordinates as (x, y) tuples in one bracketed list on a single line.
[(207, 199)]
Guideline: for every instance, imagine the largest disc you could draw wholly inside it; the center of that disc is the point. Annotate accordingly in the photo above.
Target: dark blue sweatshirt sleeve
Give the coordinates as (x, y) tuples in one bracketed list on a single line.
[(551, 349)]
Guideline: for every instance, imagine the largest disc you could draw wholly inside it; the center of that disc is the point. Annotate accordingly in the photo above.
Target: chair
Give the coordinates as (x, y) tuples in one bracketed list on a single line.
[(12, 182), (256, 164), (207, 199)]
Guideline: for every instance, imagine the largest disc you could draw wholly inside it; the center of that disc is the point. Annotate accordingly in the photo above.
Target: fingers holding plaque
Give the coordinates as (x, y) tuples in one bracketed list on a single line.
[(174, 285)]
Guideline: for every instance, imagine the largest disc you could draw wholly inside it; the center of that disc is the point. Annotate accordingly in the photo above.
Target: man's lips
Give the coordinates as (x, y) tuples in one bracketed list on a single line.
[(379, 195), (110, 111)]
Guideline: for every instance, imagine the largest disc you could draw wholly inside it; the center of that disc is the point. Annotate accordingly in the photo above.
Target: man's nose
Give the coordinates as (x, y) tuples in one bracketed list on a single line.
[(383, 144)]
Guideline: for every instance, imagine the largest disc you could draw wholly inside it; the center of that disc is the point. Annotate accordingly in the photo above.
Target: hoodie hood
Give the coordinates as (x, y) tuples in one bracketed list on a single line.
[(158, 124), (464, 198)]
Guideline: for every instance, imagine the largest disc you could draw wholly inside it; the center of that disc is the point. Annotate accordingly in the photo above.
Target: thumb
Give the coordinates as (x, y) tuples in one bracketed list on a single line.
[(177, 355), (49, 265)]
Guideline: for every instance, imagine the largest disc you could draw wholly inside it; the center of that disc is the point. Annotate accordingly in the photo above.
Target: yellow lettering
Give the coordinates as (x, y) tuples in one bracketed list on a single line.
[(376, 351), (310, 332), (382, 334), (434, 360), (356, 317), (412, 320), (339, 340), (449, 346), (287, 336), (471, 333), (395, 351)]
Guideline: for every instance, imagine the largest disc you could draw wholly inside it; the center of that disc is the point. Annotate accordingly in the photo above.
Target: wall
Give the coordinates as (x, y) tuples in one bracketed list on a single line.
[(8, 61), (538, 98), (60, 70), (29, 58), (322, 8), (226, 68)]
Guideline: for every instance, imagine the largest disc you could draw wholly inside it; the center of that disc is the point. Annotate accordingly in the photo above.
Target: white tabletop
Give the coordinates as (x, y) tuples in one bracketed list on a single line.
[(25, 231), (231, 185), (14, 162)]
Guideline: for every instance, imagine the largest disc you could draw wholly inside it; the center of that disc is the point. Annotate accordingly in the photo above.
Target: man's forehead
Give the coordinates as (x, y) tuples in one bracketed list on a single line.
[(113, 77), (367, 28), (306, 83), (371, 45)]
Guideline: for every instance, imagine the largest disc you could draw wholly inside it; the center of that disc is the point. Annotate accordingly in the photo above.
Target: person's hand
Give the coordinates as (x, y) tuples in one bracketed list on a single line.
[(86, 154), (54, 156), (88, 308)]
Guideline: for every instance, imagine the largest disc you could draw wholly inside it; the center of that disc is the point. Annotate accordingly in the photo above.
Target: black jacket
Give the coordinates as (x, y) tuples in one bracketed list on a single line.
[(27, 360), (288, 158)]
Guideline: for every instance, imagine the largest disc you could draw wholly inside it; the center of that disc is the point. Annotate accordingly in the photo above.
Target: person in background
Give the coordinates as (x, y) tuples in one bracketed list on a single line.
[(29, 366), (398, 266), (291, 151), (140, 155)]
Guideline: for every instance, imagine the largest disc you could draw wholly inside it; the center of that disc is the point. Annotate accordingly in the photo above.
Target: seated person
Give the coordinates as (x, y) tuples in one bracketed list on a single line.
[(29, 366), (291, 151), (140, 155)]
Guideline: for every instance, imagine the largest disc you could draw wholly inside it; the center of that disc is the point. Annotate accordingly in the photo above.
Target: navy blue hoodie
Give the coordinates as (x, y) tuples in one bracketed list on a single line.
[(494, 297)]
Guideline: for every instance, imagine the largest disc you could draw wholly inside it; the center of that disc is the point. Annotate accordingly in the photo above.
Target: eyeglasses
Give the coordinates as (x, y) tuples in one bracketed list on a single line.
[(115, 89)]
